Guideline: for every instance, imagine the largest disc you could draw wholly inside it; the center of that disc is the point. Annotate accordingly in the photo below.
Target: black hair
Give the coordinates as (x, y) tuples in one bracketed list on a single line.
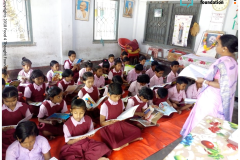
[(67, 73), (181, 80), (159, 68), (26, 61), (110, 55), (96, 68), (89, 64), (117, 79), (4, 70), (71, 52), (144, 78), (3, 82), (105, 63), (117, 61), (142, 58), (154, 63), (146, 92), (78, 103), (230, 41), (86, 75), (115, 89), (173, 63), (53, 62), (125, 59), (124, 53), (9, 92), (25, 129), (162, 92), (35, 74), (139, 67), (53, 91)]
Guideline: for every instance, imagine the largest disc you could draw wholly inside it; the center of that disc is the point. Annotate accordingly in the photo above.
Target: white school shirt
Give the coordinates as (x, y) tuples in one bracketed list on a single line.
[(27, 75), (131, 103), (110, 74), (99, 82), (67, 65), (192, 91), (28, 92), (89, 90), (150, 72), (50, 75), (171, 76), (65, 82), (155, 81), (135, 88)]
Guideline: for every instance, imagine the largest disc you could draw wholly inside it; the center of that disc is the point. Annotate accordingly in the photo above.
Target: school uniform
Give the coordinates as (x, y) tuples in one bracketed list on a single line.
[(174, 95), (121, 132), (50, 75), (40, 147), (150, 72), (155, 81), (47, 109), (110, 64), (133, 101), (135, 88), (113, 73), (192, 91), (132, 75), (68, 65), (81, 72), (85, 148), (63, 84), (155, 100), (124, 93), (21, 86), (171, 76), (99, 82)]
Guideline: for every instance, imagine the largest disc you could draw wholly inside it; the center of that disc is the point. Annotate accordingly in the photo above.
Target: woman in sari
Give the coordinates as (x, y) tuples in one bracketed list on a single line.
[(217, 95)]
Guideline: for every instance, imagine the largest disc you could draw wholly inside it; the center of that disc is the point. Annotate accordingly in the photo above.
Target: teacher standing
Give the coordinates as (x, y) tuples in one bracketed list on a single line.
[(217, 95)]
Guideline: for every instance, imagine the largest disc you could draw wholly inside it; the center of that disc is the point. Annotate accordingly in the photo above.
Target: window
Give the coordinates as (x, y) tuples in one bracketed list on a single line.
[(159, 30), (18, 25), (106, 20)]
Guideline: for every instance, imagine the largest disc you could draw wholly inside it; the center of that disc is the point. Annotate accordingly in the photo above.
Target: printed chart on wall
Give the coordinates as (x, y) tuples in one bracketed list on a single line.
[(181, 30)]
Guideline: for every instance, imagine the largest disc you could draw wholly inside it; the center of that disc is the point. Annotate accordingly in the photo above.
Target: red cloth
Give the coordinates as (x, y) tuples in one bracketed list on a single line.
[(157, 101), (93, 95), (141, 105), (65, 85), (7, 139), (133, 45), (75, 72)]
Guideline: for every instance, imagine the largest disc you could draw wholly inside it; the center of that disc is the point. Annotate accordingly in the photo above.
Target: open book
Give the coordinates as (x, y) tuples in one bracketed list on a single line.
[(144, 122), (193, 72), (90, 103), (190, 101), (35, 103), (23, 120), (165, 108), (14, 83), (59, 117), (74, 88), (165, 85), (127, 68), (126, 98), (76, 61), (87, 134), (57, 75)]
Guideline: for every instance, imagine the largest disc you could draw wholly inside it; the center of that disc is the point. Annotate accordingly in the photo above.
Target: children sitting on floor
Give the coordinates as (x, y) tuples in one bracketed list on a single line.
[(54, 67), (68, 64), (80, 124), (126, 61), (160, 95), (134, 73), (53, 104), (177, 94), (157, 79), (116, 70), (142, 61), (28, 145), (193, 90), (110, 61), (173, 74), (35, 92), (142, 80), (99, 80), (150, 72), (88, 68), (116, 134)]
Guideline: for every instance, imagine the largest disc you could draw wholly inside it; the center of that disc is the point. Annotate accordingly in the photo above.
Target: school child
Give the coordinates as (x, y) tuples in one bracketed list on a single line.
[(116, 134), (28, 144), (110, 61), (105, 65), (173, 74), (157, 79), (5, 75), (3, 84), (99, 80), (54, 67), (142, 61), (160, 95), (35, 92), (68, 65), (53, 104), (126, 61), (80, 124), (193, 90), (134, 73), (13, 111), (123, 55), (116, 70), (88, 68), (151, 71), (177, 94), (142, 80)]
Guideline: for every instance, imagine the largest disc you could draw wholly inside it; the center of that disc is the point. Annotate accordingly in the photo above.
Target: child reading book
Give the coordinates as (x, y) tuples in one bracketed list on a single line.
[(68, 64), (134, 73), (160, 95), (54, 67), (173, 74), (142, 61), (35, 92), (28, 145), (13, 111), (126, 61), (99, 80), (193, 90), (105, 65), (88, 68), (80, 124), (123, 55), (116, 71), (110, 61), (116, 134), (142, 80), (151, 71), (177, 94), (157, 79), (53, 104)]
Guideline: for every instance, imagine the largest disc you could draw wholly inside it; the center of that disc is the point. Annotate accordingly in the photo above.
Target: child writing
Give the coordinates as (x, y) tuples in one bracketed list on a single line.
[(80, 124), (88, 68), (177, 94), (116, 70), (157, 79), (173, 74), (116, 134), (142, 61), (28, 145), (35, 92), (193, 90), (110, 61), (151, 71), (53, 104), (160, 95), (99, 80), (68, 64), (134, 73), (142, 80), (54, 67)]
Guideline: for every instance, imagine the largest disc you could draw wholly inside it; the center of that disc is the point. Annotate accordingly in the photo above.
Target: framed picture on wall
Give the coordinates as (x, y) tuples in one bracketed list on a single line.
[(82, 10), (128, 8)]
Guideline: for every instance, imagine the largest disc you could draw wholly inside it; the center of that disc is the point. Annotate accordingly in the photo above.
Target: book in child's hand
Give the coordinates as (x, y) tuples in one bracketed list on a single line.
[(190, 101), (87, 134), (59, 117), (152, 115), (193, 72), (74, 88), (103, 87), (127, 68), (126, 99), (144, 122), (35, 103), (57, 75), (105, 75), (15, 83), (23, 120), (76, 61), (165, 85), (90, 103), (165, 108)]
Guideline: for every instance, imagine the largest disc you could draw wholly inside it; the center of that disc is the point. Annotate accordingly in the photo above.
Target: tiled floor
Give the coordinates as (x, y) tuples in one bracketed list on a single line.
[(160, 155)]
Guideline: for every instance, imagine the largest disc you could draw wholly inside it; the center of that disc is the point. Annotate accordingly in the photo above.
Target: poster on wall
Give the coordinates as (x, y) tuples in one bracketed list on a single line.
[(82, 10), (181, 30), (216, 23), (128, 8)]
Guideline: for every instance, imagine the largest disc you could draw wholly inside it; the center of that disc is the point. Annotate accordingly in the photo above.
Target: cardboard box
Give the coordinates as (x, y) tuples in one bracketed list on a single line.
[(173, 55)]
